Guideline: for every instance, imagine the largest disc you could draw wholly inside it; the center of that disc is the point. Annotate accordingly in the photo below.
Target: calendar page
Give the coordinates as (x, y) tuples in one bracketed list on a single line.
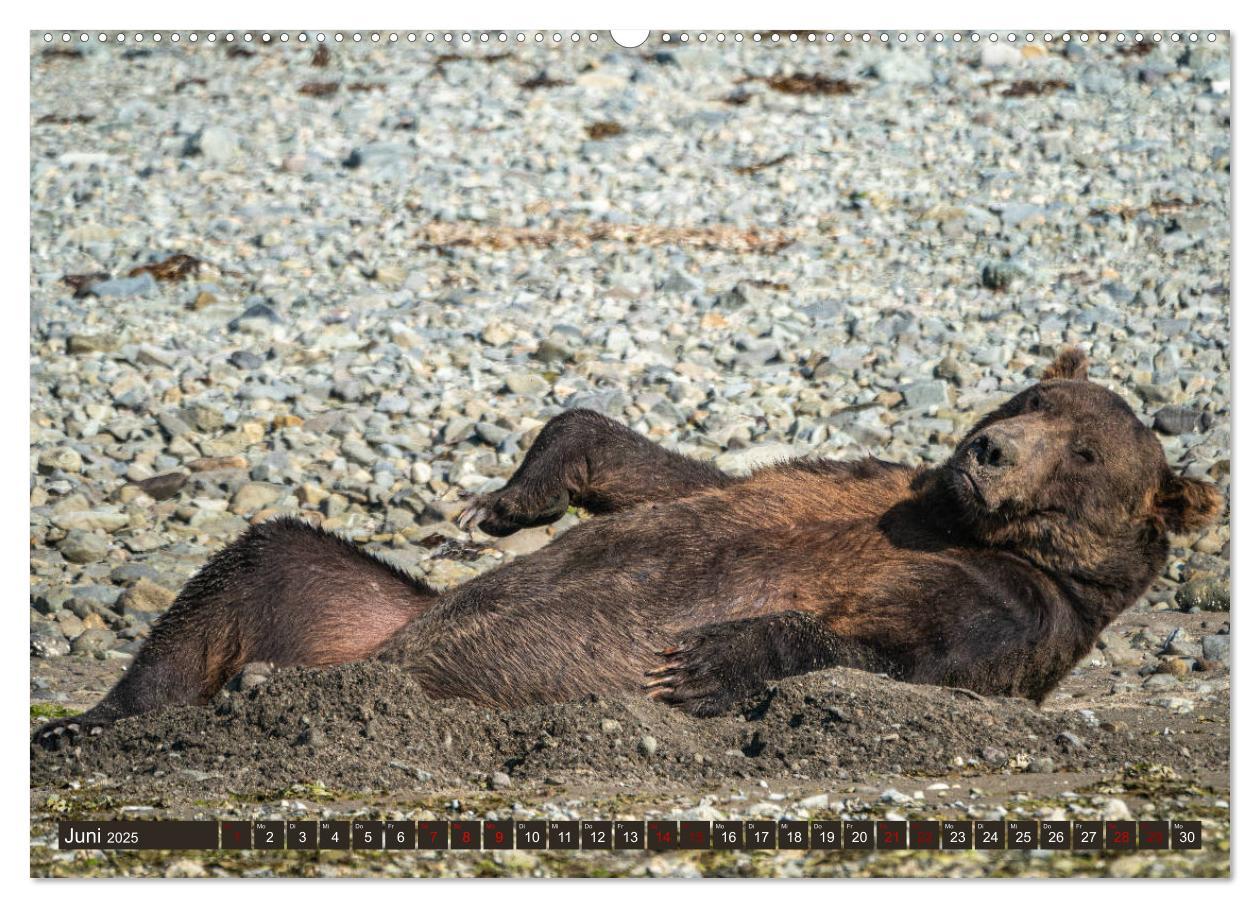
[(581, 452)]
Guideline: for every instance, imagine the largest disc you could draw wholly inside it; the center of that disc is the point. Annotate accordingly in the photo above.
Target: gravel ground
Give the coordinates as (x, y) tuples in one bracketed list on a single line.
[(354, 284)]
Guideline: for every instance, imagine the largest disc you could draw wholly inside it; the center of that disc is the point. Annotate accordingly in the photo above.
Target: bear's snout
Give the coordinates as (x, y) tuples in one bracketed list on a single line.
[(998, 447), (1006, 463)]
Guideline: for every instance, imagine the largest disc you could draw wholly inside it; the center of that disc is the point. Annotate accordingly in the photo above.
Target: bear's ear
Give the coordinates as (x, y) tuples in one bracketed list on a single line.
[(1070, 364), (1183, 504)]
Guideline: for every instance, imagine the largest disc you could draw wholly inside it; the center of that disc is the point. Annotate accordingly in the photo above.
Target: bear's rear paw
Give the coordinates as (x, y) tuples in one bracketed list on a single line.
[(61, 734), (513, 508)]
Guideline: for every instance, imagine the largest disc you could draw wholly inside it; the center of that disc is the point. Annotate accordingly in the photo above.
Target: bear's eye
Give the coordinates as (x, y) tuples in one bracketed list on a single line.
[(1085, 455), (1034, 403)]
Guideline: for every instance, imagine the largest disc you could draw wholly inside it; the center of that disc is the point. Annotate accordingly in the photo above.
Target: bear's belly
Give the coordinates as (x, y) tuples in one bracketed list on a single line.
[(590, 612), (664, 573)]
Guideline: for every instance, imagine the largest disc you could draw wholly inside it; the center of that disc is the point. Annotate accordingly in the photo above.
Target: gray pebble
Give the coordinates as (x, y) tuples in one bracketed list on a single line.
[(926, 394), (1181, 420), (93, 641), (1216, 647), (83, 547), (48, 646), (124, 287)]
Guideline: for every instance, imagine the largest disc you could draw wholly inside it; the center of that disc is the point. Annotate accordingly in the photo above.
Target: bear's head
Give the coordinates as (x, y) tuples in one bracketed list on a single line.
[(1066, 474)]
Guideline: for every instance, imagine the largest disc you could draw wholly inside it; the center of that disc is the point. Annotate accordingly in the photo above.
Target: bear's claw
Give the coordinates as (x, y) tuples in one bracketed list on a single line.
[(688, 684), (69, 731), (512, 508), (59, 734), (471, 516)]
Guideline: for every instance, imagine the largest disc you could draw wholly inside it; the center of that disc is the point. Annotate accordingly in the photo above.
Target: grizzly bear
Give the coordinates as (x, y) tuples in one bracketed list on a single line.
[(995, 571)]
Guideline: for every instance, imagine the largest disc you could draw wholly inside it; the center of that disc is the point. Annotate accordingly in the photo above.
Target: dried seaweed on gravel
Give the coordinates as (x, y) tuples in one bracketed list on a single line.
[(542, 80), (322, 55), (185, 83), (714, 237), (604, 129), (239, 52), (748, 169), (319, 89), (1025, 88), (1156, 207), (366, 86), (815, 84), (66, 119), (82, 283), (1137, 49), (172, 268), (440, 61)]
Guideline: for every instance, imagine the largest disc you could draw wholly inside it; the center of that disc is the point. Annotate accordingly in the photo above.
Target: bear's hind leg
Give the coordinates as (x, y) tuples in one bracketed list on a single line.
[(285, 593)]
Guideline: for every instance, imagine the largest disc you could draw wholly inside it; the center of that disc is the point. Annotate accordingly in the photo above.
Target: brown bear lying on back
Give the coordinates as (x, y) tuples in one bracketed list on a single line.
[(994, 572)]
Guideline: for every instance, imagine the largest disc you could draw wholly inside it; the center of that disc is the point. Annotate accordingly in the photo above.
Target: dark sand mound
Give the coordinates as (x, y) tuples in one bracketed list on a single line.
[(369, 726)]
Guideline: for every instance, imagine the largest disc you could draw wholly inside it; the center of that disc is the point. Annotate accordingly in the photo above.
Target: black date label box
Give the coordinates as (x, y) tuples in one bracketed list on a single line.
[(1121, 835), (433, 835), (235, 834), (1021, 834), (1056, 835), (466, 835), (826, 834), (334, 835), (400, 835), (859, 834), (1186, 835), (793, 834), (301, 834), (597, 835), (990, 835), (628, 835), (497, 834), (925, 834), (662, 835), (563, 834), (367, 835), (759, 834), (269, 834), (728, 834), (695, 834), (1087, 835), (956, 835), (531, 835), (1153, 834), (890, 834)]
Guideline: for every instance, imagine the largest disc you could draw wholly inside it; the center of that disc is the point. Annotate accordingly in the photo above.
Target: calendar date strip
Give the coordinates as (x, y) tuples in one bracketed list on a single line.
[(632, 835)]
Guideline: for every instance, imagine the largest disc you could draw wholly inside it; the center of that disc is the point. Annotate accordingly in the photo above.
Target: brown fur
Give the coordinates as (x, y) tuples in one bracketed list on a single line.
[(995, 571)]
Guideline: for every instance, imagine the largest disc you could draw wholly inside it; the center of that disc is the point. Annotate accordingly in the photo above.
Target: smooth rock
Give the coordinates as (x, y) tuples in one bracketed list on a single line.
[(83, 547)]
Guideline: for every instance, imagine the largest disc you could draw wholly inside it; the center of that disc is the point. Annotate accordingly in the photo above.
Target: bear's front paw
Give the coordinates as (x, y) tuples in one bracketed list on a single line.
[(699, 676), (513, 508)]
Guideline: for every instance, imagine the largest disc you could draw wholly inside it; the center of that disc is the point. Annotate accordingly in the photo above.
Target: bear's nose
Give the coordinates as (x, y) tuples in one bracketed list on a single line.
[(996, 447)]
